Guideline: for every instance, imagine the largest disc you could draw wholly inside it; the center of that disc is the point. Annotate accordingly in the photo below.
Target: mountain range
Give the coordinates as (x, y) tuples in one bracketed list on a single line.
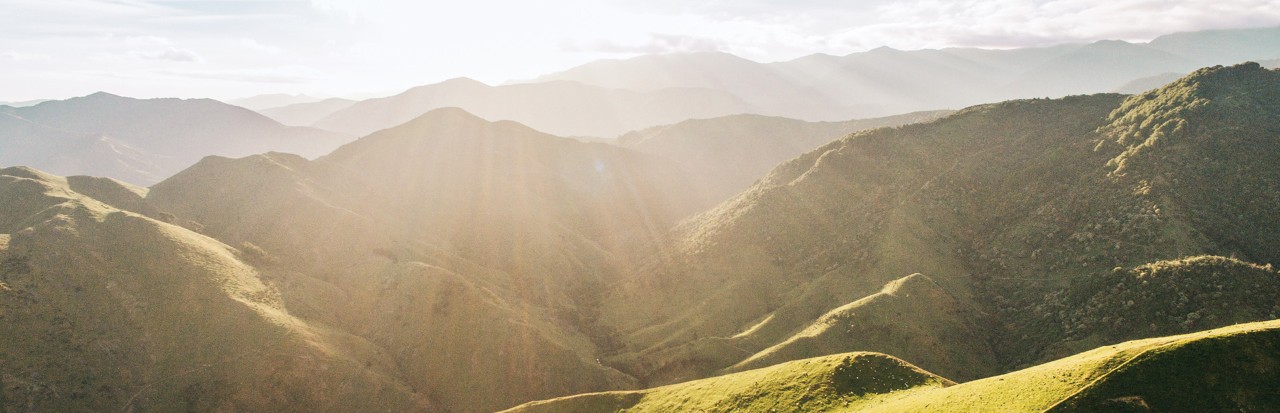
[(143, 141), (562, 108), (886, 81), (607, 98), (1001, 257)]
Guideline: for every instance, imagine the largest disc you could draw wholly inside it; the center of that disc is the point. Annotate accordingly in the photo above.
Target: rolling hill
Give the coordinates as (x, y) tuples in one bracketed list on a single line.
[(143, 141), (108, 310), (456, 264), (469, 265), (1227, 369), (1010, 208)]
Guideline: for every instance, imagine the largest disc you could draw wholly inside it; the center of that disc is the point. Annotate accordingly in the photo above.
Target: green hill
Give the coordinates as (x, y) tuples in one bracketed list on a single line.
[(812, 385), (939, 331), (456, 264), (1227, 369), (1009, 207), (106, 310)]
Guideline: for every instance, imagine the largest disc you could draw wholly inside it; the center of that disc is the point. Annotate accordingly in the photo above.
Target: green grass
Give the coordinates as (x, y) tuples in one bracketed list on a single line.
[(1226, 369), (912, 317), (1234, 368), (815, 385)]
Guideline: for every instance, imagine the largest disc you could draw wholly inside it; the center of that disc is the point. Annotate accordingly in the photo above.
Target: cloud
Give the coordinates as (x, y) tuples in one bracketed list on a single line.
[(259, 47), (146, 41), (171, 54), (656, 43), (286, 74), (1021, 23), (22, 57)]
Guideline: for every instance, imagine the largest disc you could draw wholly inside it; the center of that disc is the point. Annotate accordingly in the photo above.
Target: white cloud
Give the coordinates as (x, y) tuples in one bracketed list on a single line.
[(656, 43), (22, 57), (171, 54), (146, 41), (259, 47), (285, 74)]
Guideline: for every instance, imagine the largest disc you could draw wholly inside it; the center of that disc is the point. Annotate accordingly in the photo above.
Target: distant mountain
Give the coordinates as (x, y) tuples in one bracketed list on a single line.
[(1147, 83), (260, 102), (765, 89), (305, 114), (1096, 67), (1217, 370), (1049, 226), (1215, 47), (730, 153), (143, 141), (561, 108), (24, 104), (886, 81)]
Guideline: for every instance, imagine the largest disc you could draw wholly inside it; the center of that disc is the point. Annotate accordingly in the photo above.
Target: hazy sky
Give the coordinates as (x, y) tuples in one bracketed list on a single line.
[(231, 48)]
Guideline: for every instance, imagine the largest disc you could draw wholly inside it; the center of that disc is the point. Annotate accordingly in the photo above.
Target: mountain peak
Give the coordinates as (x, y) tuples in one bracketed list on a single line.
[(102, 96), (462, 81), (1242, 98)]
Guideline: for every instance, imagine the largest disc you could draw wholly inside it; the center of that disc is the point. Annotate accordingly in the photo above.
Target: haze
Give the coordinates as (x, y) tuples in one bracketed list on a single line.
[(227, 49)]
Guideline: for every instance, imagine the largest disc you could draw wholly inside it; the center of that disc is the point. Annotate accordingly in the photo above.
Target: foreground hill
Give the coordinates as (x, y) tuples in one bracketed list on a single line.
[(561, 108), (886, 81), (143, 141), (108, 310), (466, 249), (813, 385), (1227, 369), (1058, 222), (730, 153)]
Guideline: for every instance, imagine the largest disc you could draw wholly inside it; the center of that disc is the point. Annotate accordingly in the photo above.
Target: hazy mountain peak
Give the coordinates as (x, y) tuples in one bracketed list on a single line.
[(463, 80), (101, 96), (884, 49)]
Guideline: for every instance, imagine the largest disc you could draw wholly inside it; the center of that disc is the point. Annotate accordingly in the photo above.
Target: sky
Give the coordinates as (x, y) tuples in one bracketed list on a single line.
[(54, 49)]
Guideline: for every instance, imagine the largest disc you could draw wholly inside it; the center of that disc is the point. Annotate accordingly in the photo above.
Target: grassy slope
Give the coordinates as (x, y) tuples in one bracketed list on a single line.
[(108, 310), (1227, 369), (1007, 206), (836, 224), (815, 385), (912, 317)]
